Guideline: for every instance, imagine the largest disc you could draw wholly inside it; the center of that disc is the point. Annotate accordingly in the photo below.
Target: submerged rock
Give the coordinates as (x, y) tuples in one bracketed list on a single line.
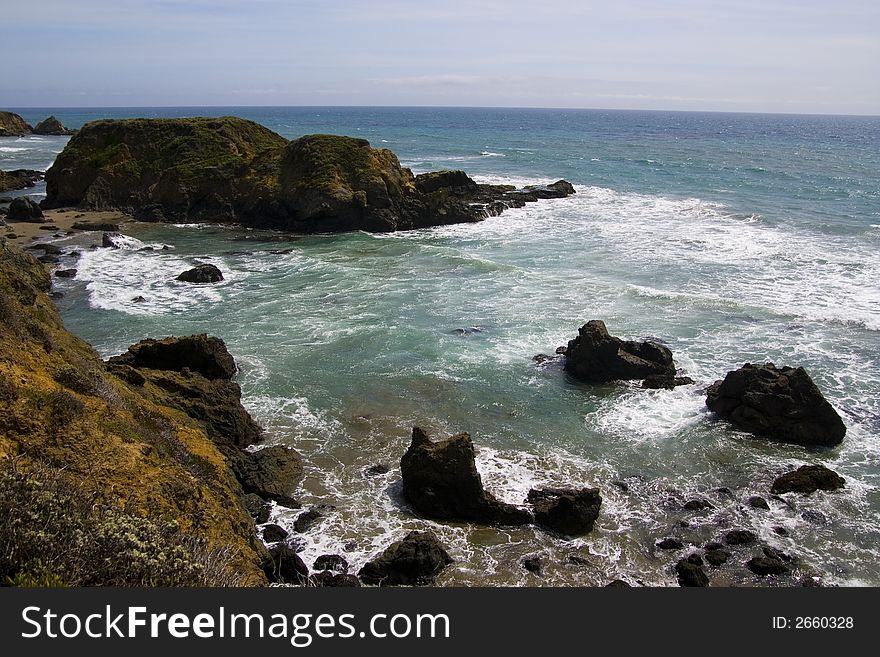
[(570, 511), (205, 273), (25, 209), (596, 356), (781, 404), (66, 273), (415, 560), (441, 481), (808, 479)]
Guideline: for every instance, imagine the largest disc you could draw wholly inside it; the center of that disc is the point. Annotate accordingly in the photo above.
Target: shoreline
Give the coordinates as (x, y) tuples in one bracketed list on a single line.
[(62, 220)]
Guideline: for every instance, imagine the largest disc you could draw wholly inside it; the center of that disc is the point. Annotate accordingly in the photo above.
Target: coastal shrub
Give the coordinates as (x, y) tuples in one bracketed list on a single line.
[(54, 531), (63, 407), (8, 389), (83, 382)]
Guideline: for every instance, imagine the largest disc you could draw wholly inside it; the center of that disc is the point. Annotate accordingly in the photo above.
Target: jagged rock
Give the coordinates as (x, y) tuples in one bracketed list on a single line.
[(105, 226), (205, 273), (284, 566), (12, 125), (417, 559), (52, 126), (204, 354), (766, 566), (441, 481), (739, 537), (18, 179), (274, 533), (65, 273), (697, 504), (690, 571), (306, 520), (25, 209), (232, 170), (272, 472), (595, 356), (256, 506), (781, 404), (808, 479), (669, 543), (334, 562), (570, 511), (758, 502), (666, 381), (717, 557), (111, 240)]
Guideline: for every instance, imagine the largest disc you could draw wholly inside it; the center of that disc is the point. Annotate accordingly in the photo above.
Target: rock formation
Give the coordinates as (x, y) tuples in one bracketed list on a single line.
[(441, 481), (415, 560), (596, 356), (25, 209), (569, 511), (12, 125), (19, 179), (205, 273), (781, 404), (808, 479), (229, 169), (52, 126)]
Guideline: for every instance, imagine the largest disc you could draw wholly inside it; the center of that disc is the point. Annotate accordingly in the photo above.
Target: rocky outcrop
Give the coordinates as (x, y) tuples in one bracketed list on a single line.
[(61, 406), (25, 209), (595, 356), (441, 481), (570, 511), (273, 473), (52, 126), (415, 560), (12, 125), (780, 404), (204, 354), (808, 479), (205, 273), (228, 169), (19, 179)]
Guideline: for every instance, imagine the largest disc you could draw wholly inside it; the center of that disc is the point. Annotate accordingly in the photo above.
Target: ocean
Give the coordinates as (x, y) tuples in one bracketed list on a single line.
[(732, 238)]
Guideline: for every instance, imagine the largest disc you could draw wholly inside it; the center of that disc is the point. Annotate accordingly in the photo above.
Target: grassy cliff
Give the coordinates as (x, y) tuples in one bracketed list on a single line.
[(136, 483)]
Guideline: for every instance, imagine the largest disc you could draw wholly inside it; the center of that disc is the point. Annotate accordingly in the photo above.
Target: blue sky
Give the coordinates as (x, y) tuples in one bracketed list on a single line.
[(749, 55)]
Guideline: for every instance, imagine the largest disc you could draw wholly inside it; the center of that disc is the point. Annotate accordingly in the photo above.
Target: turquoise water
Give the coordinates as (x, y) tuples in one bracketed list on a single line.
[(730, 237)]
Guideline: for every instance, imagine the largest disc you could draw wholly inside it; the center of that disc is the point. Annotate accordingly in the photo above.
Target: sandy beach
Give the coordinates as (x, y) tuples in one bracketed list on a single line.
[(60, 222)]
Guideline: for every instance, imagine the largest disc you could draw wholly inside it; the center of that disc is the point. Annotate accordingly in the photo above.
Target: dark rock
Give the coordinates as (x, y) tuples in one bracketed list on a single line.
[(274, 533), (595, 356), (758, 502), (417, 559), (65, 273), (52, 126), (766, 566), (205, 273), (12, 125), (334, 562), (138, 299), (256, 506), (441, 481), (306, 520), (327, 578), (285, 566), (18, 179), (698, 505), (690, 572), (55, 294), (25, 209), (781, 404), (713, 545), (617, 584), (204, 354), (49, 259), (724, 491), (376, 470), (717, 557), (271, 472), (814, 517), (577, 560), (570, 511), (533, 564), (561, 351), (666, 381), (739, 537), (808, 479), (780, 531), (111, 240), (773, 553), (96, 225), (669, 543), (454, 181)]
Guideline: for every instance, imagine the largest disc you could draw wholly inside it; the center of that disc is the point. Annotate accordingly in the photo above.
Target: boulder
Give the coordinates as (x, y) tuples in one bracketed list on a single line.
[(570, 511), (284, 566), (596, 357), (52, 126), (273, 473), (204, 354), (441, 481), (205, 273), (326, 578), (739, 537), (25, 209), (767, 566), (273, 533), (19, 179), (12, 125), (780, 404), (669, 543), (808, 479), (415, 560), (111, 240), (65, 273), (533, 564), (758, 502), (717, 557), (307, 520), (689, 571), (334, 562)]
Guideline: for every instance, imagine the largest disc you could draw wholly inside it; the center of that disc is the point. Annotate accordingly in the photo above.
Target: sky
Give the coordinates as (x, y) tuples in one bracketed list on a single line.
[(806, 56)]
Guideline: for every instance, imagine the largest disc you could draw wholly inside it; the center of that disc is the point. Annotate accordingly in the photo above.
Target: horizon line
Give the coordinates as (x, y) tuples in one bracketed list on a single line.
[(464, 107)]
